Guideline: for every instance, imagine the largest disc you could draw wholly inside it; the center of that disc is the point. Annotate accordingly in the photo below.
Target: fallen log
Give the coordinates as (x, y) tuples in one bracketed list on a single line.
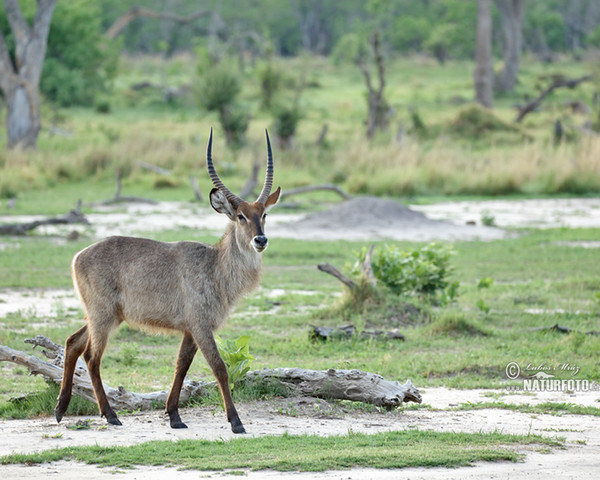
[(348, 331), (352, 385), (561, 329), (74, 216)]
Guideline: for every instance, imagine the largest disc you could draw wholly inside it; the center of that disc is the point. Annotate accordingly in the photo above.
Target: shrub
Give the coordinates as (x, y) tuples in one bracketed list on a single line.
[(234, 120), (421, 271), (473, 121), (286, 122), (219, 86), (270, 79)]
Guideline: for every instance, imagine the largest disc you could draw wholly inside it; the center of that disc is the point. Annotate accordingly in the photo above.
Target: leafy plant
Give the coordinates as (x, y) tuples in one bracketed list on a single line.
[(420, 271), (237, 358), (219, 86), (488, 220), (130, 353), (485, 282), (484, 307)]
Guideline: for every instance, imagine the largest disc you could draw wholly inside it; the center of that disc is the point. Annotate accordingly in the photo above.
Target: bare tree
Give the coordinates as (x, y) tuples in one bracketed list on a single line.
[(20, 75), (136, 12), (484, 72), (511, 14), (378, 117)]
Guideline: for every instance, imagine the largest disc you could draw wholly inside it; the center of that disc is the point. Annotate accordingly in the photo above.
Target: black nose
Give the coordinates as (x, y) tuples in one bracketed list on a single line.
[(260, 241)]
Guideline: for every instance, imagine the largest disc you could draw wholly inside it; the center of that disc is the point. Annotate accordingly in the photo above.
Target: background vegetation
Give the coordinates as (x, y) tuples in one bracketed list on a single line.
[(144, 97)]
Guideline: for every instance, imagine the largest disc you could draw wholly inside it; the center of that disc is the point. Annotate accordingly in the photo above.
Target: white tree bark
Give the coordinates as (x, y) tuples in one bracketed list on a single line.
[(511, 14), (20, 78), (484, 72)]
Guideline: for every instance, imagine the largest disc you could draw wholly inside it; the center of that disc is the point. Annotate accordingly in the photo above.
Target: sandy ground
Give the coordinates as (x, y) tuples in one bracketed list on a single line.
[(580, 459)]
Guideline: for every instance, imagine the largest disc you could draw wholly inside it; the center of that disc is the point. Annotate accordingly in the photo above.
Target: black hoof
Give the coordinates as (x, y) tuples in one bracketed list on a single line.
[(178, 424), (58, 415), (238, 428), (114, 421)]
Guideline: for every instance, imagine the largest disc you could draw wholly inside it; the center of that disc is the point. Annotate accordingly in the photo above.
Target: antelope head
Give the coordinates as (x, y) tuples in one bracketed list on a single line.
[(248, 218)]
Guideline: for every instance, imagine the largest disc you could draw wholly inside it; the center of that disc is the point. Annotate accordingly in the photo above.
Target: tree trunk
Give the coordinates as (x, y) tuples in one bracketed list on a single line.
[(378, 108), (20, 75), (511, 14), (23, 122), (484, 73)]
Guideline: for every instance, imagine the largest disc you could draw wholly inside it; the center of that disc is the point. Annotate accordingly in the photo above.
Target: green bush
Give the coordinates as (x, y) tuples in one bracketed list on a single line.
[(420, 271), (234, 120), (270, 79), (218, 88), (286, 122)]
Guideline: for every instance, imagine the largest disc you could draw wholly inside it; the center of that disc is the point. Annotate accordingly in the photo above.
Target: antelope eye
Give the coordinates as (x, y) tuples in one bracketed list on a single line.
[(264, 216), (241, 218)]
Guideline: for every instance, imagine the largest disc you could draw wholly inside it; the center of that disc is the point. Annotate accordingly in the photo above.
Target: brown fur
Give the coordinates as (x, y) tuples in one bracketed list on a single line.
[(187, 287)]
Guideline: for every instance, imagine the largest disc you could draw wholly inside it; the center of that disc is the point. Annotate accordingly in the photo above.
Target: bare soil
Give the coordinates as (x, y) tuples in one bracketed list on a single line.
[(359, 219), (306, 415)]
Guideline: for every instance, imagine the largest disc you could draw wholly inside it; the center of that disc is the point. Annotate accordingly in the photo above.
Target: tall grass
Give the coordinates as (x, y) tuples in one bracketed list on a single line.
[(445, 168)]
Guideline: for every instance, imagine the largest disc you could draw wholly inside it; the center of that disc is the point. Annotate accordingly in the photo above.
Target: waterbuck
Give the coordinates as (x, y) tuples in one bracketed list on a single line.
[(188, 287)]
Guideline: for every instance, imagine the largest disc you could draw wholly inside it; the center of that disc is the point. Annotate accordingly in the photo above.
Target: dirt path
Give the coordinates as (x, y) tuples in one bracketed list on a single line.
[(297, 416)]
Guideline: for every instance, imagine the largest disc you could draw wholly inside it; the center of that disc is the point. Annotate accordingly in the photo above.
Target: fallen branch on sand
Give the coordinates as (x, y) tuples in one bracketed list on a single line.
[(74, 216), (340, 384)]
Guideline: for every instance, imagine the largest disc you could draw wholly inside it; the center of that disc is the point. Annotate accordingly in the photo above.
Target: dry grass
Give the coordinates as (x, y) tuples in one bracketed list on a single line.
[(444, 168)]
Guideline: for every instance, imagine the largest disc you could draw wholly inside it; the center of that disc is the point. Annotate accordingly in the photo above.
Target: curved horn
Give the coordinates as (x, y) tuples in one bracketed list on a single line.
[(266, 191), (233, 199)]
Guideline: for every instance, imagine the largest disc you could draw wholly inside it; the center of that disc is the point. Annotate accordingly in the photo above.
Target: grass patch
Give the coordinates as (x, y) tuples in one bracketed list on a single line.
[(402, 449), (551, 408), (42, 403)]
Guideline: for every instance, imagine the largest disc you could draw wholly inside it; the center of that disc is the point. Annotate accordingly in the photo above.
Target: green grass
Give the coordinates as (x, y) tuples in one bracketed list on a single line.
[(458, 346), (552, 408), (402, 449)]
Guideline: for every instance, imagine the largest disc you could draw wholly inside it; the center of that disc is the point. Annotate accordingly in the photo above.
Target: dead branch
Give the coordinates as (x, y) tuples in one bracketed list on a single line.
[(154, 168), (321, 138), (314, 188), (118, 198), (250, 185), (196, 188), (331, 270), (557, 83), (560, 329), (74, 216), (348, 331), (352, 385), (136, 12), (367, 268)]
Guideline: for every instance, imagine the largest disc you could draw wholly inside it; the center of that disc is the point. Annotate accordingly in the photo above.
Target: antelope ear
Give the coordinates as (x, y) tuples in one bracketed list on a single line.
[(273, 199), (219, 202)]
